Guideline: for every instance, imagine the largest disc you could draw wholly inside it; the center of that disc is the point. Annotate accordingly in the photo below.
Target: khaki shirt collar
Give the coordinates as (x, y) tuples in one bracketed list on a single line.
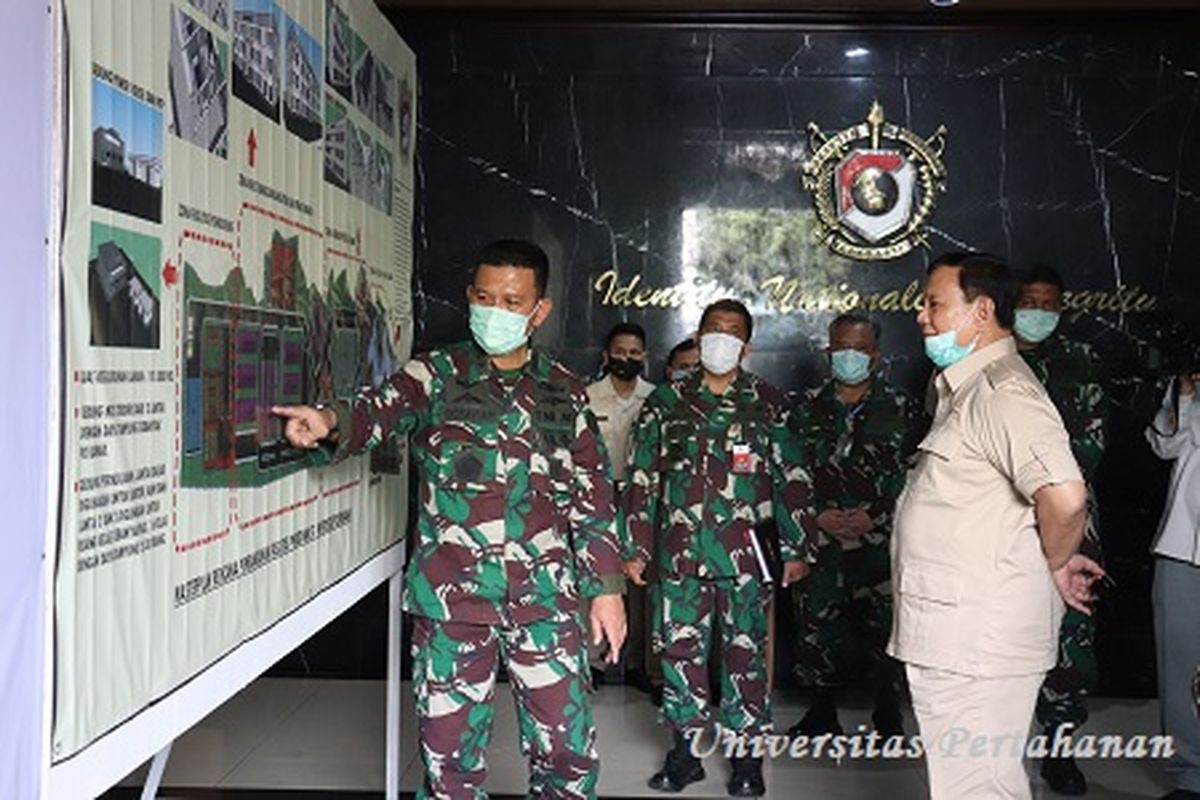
[(604, 389), (955, 375)]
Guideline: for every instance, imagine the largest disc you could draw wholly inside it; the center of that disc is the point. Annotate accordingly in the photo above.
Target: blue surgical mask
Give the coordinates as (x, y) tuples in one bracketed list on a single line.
[(1034, 325), (944, 350), (850, 367), (680, 374), (497, 330)]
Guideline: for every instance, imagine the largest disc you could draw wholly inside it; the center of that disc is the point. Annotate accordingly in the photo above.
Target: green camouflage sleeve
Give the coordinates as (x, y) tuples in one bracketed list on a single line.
[(398, 407), (1088, 446), (1087, 442), (793, 503), (592, 512), (639, 502)]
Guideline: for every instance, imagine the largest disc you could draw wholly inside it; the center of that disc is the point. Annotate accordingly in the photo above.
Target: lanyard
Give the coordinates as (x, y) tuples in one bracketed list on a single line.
[(846, 442)]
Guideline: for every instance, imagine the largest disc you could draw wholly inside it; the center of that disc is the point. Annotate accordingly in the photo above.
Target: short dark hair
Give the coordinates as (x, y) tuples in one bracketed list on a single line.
[(983, 275), (625, 329), (516, 253), (853, 318), (1043, 273), (684, 346), (732, 306)]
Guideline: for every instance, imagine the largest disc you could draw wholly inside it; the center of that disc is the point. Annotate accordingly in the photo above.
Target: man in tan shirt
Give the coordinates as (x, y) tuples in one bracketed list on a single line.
[(616, 399), (983, 552)]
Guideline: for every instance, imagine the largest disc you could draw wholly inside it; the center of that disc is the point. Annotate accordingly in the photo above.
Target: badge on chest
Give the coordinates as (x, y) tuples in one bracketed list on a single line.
[(744, 460)]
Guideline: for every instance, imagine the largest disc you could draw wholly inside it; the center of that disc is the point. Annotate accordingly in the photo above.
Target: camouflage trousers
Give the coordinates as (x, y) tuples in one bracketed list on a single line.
[(689, 612), (1063, 697), (454, 677), (844, 619)]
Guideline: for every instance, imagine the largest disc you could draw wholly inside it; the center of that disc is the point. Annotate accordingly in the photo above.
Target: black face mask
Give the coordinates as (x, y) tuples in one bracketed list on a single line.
[(625, 369)]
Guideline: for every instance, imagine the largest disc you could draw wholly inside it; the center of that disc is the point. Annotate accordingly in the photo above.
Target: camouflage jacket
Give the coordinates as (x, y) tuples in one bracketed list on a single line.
[(704, 470), (858, 455), (516, 517), (1071, 374)]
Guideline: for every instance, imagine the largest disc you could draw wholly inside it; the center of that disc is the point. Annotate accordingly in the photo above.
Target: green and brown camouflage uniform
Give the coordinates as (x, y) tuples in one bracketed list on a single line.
[(692, 515), (1070, 372), (516, 524), (857, 455)]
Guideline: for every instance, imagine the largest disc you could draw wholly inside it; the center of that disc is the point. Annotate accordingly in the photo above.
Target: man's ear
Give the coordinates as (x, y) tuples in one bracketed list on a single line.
[(985, 310), (745, 352), (540, 313)]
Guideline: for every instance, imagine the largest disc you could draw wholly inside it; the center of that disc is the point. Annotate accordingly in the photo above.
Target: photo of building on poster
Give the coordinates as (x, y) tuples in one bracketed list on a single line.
[(354, 161), (338, 36), (338, 132), (302, 83), (374, 88), (355, 73), (198, 77), (256, 45), (127, 167), (215, 10), (123, 288), (406, 116), (245, 353)]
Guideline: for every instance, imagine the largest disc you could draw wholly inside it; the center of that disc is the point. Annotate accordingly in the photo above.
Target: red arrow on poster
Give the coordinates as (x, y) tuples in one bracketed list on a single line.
[(252, 144), (170, 273)]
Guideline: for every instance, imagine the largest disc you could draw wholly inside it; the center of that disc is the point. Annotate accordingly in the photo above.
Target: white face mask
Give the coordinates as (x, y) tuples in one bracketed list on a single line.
[(720, 353)]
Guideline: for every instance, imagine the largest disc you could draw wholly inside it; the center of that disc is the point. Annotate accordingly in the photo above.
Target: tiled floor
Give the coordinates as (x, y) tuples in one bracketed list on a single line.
[(308, 738)]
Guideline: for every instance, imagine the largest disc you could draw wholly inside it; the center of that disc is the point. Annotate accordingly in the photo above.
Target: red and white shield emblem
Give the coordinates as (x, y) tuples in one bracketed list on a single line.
[(875, 190)]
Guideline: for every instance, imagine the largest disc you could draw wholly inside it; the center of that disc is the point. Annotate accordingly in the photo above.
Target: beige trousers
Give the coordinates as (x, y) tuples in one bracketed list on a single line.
[(974, 731)]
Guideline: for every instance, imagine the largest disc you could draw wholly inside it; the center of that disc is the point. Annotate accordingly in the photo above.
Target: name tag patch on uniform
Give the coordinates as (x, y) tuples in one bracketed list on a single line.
[(554, 419), (743, 459), (471, 403)]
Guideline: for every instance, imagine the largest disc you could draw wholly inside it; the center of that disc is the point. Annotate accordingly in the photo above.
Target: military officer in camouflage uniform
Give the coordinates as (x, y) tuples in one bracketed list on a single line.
[(1069, 371), (516, 524), (712, 458), (857, 434)]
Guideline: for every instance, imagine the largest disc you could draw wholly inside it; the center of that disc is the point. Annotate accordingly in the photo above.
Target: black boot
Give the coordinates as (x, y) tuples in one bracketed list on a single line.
[(886, 718), (888, 721), (821, 717), (1062, 776), (747, 778), (679, 769)]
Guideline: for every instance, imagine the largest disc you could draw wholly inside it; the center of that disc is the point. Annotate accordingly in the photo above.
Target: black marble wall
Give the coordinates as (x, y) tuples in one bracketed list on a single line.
[(671, 150)]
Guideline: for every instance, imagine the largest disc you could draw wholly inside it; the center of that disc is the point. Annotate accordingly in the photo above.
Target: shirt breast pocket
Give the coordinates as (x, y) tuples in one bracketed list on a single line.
[(466, 466), (680, 447), (944, 442), (554, 475), (939, 454)]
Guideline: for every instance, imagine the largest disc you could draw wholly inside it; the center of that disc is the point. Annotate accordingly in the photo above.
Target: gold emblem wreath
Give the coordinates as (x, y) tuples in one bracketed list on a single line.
[(818, 176)]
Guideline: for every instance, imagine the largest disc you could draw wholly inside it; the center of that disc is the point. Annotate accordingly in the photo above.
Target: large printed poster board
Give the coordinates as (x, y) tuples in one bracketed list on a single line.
[(238, 234)]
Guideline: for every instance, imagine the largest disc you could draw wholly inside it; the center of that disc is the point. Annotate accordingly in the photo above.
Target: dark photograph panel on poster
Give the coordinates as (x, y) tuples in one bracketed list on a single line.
[(198, 74), (256, 45), (126, 153), (123, 288), (302, 83)]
